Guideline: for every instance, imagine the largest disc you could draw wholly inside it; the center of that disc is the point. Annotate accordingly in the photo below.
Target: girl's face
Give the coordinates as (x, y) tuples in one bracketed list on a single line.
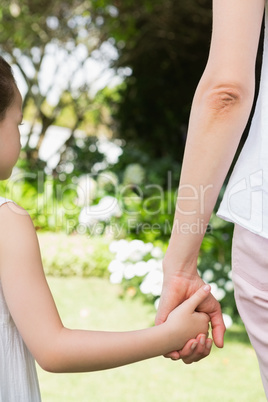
[(10, 137)]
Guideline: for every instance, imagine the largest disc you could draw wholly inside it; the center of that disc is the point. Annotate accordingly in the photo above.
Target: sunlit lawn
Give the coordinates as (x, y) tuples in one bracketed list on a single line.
[(230, 374)]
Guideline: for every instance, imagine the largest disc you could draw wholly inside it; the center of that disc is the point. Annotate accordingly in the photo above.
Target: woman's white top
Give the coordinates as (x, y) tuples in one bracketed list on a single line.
[(245, 201), (18, 377)]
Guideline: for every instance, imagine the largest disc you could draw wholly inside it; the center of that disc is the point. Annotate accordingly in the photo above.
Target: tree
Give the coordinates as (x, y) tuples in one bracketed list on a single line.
[(34, 32), (165, 44)]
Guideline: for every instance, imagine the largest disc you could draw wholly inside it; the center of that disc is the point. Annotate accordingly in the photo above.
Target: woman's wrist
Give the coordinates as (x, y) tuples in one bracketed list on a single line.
[(176, 261)]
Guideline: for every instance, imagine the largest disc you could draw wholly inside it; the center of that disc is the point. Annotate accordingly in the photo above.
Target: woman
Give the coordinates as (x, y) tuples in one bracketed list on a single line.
[(220, 111)]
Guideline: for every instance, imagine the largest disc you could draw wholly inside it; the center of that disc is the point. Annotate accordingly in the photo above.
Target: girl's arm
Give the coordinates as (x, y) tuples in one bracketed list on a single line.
[(57, 348), (220, 111)]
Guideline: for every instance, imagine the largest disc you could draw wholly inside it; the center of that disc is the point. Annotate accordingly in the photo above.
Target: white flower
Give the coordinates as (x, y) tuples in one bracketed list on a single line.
[(107, 179), (217, 266), (153, 264), (116, 266), (129, 271), (137, 250), (208, 275), (86, 190), (156, 289), (148, 247), (122, 250), (227, 320), (221, 282), (134, 250), (134, 174), (103, 211), (152, 283), (141, 268), (113, 247), (229, 286), (217, 292), (136, 255), (156, 303), (146, 287), (116, 277), (227, 268), (110, 149), (157, 252), (137, 244)]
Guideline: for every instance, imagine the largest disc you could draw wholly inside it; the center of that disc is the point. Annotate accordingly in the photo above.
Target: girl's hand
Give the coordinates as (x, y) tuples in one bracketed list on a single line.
[(177, 288), (185, 323)]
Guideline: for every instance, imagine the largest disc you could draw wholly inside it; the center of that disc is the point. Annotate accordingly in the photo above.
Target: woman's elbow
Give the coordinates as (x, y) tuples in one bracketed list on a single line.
[(225, 97)]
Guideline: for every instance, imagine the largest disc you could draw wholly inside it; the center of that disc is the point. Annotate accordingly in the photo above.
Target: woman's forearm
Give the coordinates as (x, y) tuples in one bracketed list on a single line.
[(219, 114), (218, 118)]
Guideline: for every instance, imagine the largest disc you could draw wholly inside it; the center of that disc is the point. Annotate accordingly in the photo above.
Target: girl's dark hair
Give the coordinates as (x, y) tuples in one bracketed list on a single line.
[(7, 90)]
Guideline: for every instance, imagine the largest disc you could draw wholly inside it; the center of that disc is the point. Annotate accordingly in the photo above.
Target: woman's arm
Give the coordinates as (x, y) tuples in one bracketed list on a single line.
[(220, 111), (57, 348)]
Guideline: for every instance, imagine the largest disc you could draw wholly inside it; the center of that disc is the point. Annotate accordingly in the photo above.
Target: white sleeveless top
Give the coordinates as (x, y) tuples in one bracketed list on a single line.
[(18, 377), (245, 201)]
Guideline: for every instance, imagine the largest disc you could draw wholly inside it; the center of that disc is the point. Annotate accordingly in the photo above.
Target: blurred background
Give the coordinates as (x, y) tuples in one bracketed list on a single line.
[(107, 90)]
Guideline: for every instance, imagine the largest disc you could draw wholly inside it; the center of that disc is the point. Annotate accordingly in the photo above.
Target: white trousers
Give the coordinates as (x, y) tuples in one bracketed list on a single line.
[(250, 277)]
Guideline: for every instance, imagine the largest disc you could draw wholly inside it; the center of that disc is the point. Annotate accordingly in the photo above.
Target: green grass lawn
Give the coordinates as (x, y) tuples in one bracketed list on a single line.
[(226, 375)]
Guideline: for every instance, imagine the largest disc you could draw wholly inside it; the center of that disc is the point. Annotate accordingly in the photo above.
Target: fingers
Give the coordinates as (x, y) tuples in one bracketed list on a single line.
[(218, 328), (196, 349), (198, 297), (173, 355)]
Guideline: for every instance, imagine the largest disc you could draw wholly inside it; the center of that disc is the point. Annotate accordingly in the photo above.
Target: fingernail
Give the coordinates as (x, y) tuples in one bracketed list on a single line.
[(194, 345), (206, 288), (208, 343), (202, 340)]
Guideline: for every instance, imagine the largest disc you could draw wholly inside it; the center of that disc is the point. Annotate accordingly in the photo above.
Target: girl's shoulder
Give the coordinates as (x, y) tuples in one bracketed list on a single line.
[(7, 205), (4, 200), (16, 225)]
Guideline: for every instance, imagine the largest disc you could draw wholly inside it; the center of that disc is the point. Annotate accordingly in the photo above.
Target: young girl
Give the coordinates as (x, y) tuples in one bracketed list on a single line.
[(30, 326)]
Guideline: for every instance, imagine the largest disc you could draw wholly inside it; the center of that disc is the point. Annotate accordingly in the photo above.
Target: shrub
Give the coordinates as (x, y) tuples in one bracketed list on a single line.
[(74, 255), (138, 267)]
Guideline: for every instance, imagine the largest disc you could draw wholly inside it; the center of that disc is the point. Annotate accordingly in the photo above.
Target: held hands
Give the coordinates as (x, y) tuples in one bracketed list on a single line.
[(181, 286), (185, 323)]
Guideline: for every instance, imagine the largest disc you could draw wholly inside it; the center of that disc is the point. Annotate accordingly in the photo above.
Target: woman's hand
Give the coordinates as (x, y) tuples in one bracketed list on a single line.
[(195, 349), (180, 286)]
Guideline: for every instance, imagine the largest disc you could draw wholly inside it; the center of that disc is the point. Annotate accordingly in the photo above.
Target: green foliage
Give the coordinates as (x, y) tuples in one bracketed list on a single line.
[(165, 45), (163, 171), (68, 32), (50, 204), (82, 154), (74, 255)]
